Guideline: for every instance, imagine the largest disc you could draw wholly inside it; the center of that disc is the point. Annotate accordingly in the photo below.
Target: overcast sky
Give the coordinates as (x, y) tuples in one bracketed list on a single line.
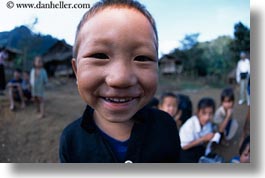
[(175, 18)]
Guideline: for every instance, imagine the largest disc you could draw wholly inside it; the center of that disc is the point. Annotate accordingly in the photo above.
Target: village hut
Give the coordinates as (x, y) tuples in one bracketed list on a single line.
[(12, 53), (57, 59), (170, 65)]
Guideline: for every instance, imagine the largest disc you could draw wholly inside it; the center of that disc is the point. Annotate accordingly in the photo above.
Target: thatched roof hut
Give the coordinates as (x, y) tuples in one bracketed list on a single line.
[(12, 52), (170, 65), (58, 59)]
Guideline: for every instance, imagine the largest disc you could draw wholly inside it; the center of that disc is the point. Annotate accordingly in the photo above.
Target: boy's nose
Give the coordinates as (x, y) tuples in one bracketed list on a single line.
[(121, 75)]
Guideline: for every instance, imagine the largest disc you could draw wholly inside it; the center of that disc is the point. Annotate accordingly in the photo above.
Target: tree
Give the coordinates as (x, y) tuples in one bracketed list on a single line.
[(241, 41), (189, 41)]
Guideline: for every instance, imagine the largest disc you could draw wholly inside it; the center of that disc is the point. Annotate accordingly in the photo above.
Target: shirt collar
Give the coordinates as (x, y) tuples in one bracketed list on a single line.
[(89, 125)]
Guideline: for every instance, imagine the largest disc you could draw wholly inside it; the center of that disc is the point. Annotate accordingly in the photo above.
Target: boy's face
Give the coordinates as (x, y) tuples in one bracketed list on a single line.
[(205, 115), (227, 103), (116, 65), (38, 62), (25, 76), (17, 75), (169, 105), (245, 156)]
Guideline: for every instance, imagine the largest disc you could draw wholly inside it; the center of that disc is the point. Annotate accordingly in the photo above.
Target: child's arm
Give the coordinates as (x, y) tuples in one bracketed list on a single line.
[(177, 118), (199, 141), (223, 124)]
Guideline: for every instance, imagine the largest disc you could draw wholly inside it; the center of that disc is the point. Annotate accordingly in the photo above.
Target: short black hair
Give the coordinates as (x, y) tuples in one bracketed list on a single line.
[(205, 103), (227, 93), (167, 94), (132, 4), (244, 144), (18, 70), (153, 102)]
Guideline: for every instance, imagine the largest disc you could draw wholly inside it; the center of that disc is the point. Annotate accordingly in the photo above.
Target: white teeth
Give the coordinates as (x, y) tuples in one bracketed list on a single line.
[(119, 100)]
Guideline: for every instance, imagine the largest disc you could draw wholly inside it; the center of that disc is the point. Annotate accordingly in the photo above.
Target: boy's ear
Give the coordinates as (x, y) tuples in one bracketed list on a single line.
[(74, 63)]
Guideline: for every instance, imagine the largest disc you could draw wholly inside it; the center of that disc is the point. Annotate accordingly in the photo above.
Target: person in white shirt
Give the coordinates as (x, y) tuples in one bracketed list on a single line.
[(197, 131), (242, 75)]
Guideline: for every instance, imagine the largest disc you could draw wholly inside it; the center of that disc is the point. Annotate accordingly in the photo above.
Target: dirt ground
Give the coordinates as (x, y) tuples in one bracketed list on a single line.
[(25, 138)]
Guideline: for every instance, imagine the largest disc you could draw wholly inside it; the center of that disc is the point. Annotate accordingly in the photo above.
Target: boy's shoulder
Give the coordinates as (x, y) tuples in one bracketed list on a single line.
[(149, 116), (72, 127), (157, 116), (77, 127), (219, 111), (192, 123)]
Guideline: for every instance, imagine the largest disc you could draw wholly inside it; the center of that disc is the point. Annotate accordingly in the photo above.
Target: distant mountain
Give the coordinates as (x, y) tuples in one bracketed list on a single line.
[(23, 39)]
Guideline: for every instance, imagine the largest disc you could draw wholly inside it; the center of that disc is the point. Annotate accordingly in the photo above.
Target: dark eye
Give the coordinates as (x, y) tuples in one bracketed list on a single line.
[(99, 56), (143, 59)]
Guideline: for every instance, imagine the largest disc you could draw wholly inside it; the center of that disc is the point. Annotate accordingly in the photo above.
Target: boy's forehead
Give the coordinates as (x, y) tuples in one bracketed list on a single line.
[(101, 23), (110, 15), (206, 109), (170, 98), (226, 98)]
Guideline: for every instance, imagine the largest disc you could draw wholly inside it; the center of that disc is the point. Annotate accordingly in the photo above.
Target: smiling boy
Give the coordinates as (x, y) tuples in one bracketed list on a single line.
[(115, 62)]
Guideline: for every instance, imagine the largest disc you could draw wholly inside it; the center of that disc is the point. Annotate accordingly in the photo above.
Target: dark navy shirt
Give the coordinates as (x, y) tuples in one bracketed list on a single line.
[(119, 147), (154, 139)]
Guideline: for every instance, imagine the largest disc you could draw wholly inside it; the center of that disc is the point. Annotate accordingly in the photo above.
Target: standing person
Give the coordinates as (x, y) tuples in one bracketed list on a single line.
[(242, 75), (223, 117), (38, 79), (3, 57), (116, 66), (197, 131), (246, 127)]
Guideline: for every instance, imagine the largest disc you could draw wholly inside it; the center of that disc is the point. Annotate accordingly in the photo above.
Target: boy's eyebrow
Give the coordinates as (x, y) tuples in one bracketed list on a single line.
[(107, 41)]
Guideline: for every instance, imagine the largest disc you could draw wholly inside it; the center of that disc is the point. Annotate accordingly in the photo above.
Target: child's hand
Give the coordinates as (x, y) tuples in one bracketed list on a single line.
[(208, 137)]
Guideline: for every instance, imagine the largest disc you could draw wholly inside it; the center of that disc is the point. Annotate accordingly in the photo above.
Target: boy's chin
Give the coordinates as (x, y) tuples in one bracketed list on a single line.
[(119, 117)]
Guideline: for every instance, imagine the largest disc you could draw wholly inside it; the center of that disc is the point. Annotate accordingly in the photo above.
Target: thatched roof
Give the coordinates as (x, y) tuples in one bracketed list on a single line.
[(166, 58), (12, 52), (60, 52)]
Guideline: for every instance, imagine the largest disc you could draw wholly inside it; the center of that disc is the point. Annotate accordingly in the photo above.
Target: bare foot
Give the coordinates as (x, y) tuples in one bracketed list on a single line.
[(40, 116), (12, 108), (23, 105)]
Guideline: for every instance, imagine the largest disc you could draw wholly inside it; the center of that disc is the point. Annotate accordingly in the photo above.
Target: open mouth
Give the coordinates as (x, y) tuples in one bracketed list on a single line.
[(118, 100)]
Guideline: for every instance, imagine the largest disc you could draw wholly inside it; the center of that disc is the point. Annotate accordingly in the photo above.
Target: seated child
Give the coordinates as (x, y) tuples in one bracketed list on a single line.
[(169, 104), (197, 131), (25, 85), (15, 91), (223, 117), (116, 66), (184, 108), (244, 152)]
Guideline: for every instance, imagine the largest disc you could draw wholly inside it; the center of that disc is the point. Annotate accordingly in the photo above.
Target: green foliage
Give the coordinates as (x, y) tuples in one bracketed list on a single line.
[(189, 41), (241, 41), (213, 58), (217, 56)]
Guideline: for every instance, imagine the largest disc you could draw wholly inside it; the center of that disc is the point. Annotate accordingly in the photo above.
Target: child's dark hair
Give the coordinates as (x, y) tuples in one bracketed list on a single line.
[(18, 70), (244, 144), (130, 4), (153, 103), (26, 72), (168, 94), (227, 93), (206, 103)]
